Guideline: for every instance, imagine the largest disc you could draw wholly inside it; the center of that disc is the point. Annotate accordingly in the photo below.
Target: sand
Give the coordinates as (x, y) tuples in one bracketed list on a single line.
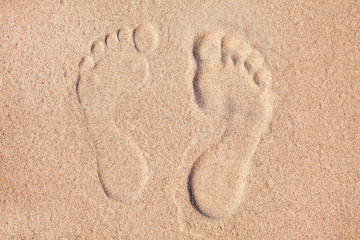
[(179, 120)]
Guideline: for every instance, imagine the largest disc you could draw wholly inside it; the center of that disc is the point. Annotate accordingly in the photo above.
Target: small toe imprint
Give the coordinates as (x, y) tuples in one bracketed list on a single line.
[(111, 40), (254, 61)]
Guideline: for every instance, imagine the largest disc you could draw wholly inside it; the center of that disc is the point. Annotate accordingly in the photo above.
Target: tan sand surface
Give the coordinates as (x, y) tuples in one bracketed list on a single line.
[(179, 119)]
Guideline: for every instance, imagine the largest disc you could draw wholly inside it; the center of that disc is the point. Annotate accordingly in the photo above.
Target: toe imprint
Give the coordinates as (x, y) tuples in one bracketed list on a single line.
[(231, 82), (145, 38), (113, 68)]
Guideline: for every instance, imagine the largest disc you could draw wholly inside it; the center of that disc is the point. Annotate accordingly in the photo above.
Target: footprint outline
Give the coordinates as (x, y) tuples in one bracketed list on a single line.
[(219, 51), (130, 45)]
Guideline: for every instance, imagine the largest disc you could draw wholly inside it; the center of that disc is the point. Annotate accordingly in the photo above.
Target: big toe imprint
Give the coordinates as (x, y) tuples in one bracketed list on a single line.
[(117, 67), (230, 83)]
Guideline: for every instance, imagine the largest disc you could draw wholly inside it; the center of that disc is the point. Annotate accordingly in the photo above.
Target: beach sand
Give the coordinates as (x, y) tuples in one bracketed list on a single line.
[(179, 120)]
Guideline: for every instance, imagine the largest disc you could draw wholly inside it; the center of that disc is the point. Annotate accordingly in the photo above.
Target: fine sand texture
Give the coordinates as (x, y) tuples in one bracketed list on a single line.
[(179, 119)]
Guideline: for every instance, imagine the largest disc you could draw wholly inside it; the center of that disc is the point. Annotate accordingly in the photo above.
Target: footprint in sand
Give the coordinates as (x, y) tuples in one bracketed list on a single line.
[(230, 84), (116, 68)]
